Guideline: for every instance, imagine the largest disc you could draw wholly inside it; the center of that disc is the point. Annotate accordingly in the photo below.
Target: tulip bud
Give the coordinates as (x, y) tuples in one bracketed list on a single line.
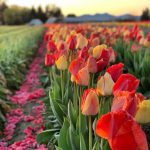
[(115, 71), (49, 60), (90, 102), (95, 42), (105, 85), (83, 77), (98, 50), (143, 113), (92, 65), (73, 79), (71, 41), (126, 82), (61, 63), (146, 43), (81, 41), (51, 46)]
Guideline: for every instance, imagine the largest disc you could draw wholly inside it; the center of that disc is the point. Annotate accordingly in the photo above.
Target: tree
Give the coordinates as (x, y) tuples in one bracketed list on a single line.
[(15, 15), (33, 13), (3, 6), (40, 14), (71, 15), (145, 14), (53, 11)]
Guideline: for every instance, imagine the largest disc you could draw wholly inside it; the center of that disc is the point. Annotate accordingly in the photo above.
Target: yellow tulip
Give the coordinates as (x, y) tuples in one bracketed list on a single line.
[(98, 49), (126, 33), (61, 63), (73, 79), (143, 113), (81, 41), (105, 85)]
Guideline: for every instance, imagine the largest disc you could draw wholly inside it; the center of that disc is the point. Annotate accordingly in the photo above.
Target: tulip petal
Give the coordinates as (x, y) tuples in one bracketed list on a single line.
[(143, 113), (122, 132)]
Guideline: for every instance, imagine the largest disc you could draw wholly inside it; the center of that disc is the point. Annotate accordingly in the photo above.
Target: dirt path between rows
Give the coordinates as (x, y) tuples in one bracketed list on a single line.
[(25, 121)]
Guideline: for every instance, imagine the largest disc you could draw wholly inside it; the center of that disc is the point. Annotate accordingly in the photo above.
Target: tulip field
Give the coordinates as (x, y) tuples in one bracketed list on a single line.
[(81, 87)]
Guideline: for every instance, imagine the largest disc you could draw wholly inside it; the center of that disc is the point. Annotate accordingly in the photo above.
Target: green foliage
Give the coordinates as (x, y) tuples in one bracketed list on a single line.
[(17, 47), (16, 15), (136, 63)]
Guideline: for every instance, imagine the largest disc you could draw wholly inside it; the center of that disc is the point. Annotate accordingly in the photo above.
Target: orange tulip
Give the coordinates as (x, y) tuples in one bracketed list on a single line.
[(76, 65), (83, 77), (90, 102)]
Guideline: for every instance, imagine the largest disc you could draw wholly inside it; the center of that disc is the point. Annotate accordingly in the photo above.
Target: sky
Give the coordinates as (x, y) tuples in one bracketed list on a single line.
[(80, 7)]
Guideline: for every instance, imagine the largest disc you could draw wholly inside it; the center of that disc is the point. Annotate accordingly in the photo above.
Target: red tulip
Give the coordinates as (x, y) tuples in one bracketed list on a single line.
[(103, 60), (47, 37), (92, 65), (127, 101), (148, 37), (126, 82), (72, 41), (62, 46), (49, 60), (51, 46), (93, 36), (113, 55), (90, 102), (121, 131), (84, 53), (75, 66), (115, 71)]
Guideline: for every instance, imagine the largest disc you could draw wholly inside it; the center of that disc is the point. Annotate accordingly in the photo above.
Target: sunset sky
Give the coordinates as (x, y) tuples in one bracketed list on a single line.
[(79, 7)]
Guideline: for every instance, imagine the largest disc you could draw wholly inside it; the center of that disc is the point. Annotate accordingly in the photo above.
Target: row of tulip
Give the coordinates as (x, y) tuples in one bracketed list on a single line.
[(94, 103), (17, 48)]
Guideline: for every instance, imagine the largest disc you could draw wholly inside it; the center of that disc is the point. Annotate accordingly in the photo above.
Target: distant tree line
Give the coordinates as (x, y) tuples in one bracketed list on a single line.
[(145, 14), (15, 15)]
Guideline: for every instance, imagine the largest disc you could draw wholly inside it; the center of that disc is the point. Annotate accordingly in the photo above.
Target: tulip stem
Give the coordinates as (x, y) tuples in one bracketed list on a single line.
[(101, 144), (90, 133), (50, 75), (62, 88), (92, 79), (80, 110), (76, 96)]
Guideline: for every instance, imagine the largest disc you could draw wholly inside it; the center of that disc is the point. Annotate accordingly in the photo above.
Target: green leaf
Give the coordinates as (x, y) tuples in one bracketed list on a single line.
[(58, 148), (57, 111), (82, 143), (2, 116), (63, 138), (72, 114), (46, 136), (106, 145), (74, 138), (96, 146), (84, 127)]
